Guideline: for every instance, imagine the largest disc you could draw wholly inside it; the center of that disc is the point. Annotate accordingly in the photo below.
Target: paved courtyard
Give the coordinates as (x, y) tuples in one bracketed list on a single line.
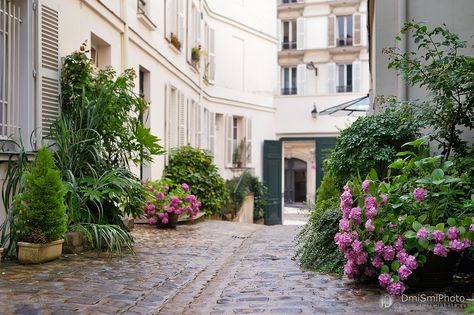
[(208, 268)]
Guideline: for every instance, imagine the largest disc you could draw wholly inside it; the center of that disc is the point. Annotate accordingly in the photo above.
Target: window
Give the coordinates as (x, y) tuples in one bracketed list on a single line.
[(175, 28), (289, 81), (288, 1), (344, 30), (142, 7), (238, 141), (289, 35), (210, 64), (344, 78), (100, 52)]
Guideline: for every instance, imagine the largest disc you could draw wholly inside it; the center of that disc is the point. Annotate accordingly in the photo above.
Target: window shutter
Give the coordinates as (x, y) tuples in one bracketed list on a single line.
[(48, 65), (331, 31), (212, 55), (181, 22), (181, 120), (198, 28), (168, 117), (198, 125), (301, 79), (228, 140), (248, 140), (170, 18), (279, 34), (212, 132), (190, 32), (357, 29), (278, 83), (356, 76), (205, 129), (300, 31), (331, 77), (191, 122)]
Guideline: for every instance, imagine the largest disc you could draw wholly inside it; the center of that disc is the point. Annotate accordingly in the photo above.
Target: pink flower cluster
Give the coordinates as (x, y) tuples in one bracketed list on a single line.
[(165, 202), (442, 247)]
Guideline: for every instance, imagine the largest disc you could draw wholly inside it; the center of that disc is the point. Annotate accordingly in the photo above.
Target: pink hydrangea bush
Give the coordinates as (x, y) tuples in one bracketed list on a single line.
[(163, 201)]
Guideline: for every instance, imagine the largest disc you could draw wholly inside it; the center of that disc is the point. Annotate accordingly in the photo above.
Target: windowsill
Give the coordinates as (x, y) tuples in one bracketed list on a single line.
[(193, 67), (146, 21), (176, 50)]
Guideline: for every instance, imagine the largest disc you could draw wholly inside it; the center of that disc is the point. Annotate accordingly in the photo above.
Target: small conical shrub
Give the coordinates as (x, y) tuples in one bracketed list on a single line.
[(40, 213)]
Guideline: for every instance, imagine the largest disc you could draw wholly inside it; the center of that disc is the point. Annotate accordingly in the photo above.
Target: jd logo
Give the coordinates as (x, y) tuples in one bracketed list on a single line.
[(386, 301)]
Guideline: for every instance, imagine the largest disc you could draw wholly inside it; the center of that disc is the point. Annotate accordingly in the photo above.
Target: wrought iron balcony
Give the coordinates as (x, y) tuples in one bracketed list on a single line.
[(288, 91), (288, 45), (344, 88)]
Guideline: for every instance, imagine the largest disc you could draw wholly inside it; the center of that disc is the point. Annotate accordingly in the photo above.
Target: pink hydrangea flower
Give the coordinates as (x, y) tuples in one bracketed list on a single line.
[(150, 188), (384, 280), (404, 272), (355, 215), (185, 187), (384, 199), (369, 227), (398, 244), (411, 263), (350, 269), (392, 226), (357, 246), (440, 250), (378, 247), (160, 195), (402, 256), (371, 212), (471, 228), (152, 220), (453, 233), (165, 220), (177, 211), (388, 253), (423, 233), (369, 272), (365, 185), (361, 258), (420, 194), (456, 245), (344, 225), (143, 181), (466, 243), (377, 262), (396, 288), (343, 240), (438, 236)]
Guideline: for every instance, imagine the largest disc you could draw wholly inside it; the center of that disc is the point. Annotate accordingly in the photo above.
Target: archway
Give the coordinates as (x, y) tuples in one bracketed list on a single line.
[(295, 180)]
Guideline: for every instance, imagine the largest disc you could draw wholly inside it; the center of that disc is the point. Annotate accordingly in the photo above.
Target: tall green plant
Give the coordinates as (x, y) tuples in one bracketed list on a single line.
[(40, 213)]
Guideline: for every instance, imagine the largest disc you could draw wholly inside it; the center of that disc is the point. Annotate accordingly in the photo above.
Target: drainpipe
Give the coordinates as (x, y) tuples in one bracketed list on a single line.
[(403, 46), (123, 15)]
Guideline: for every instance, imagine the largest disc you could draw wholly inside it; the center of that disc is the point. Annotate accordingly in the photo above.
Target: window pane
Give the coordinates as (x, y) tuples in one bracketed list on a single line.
[(286, 82), (293, 78), (349, 75), (341, 79), (340, 27), (349, 26), (286, 31), (293, 33)]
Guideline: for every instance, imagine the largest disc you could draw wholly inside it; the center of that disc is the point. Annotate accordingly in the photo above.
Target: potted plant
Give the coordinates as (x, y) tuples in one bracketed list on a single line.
[(165, 205), (410, 229), (40, 213), (196, 55), (175, 42)]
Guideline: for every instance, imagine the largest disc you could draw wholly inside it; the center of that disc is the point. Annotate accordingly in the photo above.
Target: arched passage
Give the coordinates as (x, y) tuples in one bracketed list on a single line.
[(295, 180)]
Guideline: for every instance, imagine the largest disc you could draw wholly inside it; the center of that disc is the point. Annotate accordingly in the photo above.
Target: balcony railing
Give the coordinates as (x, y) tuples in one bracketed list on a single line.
[(344, 41), (288, 45), (344, 88), (290, 1), (288, 91)]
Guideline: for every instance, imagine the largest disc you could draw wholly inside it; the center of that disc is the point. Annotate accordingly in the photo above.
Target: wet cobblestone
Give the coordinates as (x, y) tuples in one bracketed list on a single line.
[(209, 268)]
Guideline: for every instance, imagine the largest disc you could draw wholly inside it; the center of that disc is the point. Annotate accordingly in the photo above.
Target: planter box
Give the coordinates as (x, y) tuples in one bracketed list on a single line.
[(30, 253)]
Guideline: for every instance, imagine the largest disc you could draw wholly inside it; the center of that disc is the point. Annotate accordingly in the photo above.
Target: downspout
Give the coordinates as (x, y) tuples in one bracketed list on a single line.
[(403, 46), (123, 16)]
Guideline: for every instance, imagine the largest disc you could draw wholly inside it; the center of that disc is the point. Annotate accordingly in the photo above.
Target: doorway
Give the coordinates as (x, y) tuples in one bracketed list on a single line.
[(295, 181)]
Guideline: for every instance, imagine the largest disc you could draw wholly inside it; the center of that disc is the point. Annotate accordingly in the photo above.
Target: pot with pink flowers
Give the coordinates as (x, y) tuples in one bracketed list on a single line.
[(167, 202)]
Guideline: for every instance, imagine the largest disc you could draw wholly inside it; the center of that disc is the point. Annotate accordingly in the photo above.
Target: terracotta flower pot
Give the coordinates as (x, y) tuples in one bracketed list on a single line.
[(172, 221), (31, 253), (438, 271)]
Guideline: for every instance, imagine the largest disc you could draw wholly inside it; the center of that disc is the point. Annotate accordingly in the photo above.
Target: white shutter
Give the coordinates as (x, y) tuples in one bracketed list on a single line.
[(191, 122), (278, 83), (356, 76), (170, 18), (181, 22), (198, 28), (198, 115), (48, 65), (248, 140), (228, 141), (212, 55), (279, 34), (205, 129), (181, 120), (300, 31), (301, 79), (331, 77), (168, 116), (356, 29), (212, 132), (190, 32), (331, 31)]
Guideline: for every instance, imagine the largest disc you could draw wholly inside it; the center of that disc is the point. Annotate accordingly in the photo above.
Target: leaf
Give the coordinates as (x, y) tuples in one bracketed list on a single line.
[(395, 265), (422, 218), (422, 259), (395, 278), (405, 153), (452, 222), (398, 164), (440, 226), (385, 238), (410, 234), (416, 225), (438, 182), (423, 243), (438, 174), (384, 269), (373, 175)]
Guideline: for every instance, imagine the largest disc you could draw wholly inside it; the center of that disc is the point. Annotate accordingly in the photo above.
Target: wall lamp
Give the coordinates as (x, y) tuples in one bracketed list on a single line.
[(311, 66), (314, 112)]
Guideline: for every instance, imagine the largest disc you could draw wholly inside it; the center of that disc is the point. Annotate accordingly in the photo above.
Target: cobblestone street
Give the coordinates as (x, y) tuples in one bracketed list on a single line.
[(208, 268)]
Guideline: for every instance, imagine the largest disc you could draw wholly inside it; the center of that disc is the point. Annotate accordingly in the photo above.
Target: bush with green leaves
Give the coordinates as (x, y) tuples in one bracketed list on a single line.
[(40, 213), (327, 195), (196, 167), (371, 142)]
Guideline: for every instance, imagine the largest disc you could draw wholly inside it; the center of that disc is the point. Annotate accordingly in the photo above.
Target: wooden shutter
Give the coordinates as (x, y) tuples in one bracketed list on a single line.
[(212, 132), (212, 55), (48, 65), (301, 79), (279, 34), (331, 77), (248, 140), (300, 31), (331, 31), (356, 76), (181, 120), (181, 22), (228, 140), (357, 28)]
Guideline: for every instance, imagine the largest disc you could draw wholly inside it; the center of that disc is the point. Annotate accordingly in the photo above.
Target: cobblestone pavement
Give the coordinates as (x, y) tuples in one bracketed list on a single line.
[(209, 268)]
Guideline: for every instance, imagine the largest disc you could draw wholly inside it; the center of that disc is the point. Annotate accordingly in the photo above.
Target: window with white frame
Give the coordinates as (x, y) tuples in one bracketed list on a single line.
[(175, 22), (344, 30), (238, 146), (210, 64), (344, 78), (142, 7), (289, 35), (288, 81)]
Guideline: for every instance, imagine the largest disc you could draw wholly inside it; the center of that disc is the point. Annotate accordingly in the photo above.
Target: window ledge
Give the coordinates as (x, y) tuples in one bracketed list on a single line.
[(146, 21), (176, 50)]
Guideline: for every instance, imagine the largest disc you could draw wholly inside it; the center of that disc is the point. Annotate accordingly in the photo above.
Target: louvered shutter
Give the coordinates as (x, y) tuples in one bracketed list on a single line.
[(212, 55), (301, 79), (228, 141), (181, 120), (191, 121), (356, 76), (248, 140), (331, 77), (279, 34), (198, 125), (170, 18), (300, 32), (331, 31), (181, 22), (212, 132), (168, 123), (357, 29), (48, 65)]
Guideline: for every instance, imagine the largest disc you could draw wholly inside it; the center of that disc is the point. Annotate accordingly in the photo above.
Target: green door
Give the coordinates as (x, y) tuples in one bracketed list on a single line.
[(324, 147), (272, 169)]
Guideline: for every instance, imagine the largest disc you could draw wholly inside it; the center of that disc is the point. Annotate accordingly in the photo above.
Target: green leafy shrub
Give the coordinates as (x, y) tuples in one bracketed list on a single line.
[(316, 249), (40, 213), (327, 195), (371, 142), (195, 167)]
